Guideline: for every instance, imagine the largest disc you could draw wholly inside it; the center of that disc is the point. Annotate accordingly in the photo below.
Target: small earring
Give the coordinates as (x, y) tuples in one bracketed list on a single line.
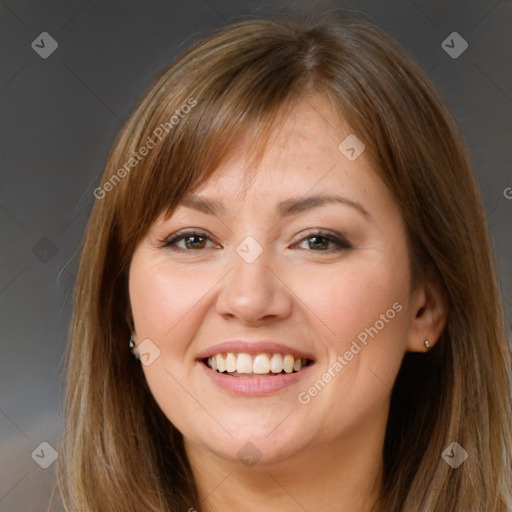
[(427, 344), (132, 347)]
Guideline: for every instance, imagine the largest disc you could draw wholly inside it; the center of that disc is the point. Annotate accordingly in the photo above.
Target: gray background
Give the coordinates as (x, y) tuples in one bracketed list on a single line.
[(58, 120)]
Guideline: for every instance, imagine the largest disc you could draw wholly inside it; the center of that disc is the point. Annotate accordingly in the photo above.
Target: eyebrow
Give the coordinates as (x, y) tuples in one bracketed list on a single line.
[(285, 208)]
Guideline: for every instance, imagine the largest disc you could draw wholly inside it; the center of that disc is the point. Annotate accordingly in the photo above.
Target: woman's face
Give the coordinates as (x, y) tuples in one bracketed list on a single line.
[(265, 277)]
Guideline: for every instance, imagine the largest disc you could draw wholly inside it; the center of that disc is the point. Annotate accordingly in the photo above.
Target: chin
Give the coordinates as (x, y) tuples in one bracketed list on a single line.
[(256, 446)]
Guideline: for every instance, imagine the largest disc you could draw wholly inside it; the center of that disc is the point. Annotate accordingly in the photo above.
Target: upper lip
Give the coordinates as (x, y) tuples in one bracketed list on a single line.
[(253, 347)]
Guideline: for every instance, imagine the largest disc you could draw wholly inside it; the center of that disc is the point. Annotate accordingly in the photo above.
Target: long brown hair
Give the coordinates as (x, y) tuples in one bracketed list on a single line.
[(118, 451)]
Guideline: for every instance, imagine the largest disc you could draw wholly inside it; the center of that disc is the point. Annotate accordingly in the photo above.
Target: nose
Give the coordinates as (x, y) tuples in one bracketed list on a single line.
[(254, 293)]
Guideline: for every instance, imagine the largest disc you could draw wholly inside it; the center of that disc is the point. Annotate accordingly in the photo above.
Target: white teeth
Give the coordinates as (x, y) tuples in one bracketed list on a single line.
[(260, 364), (231, 362), (244, 363), (276, 363), (221, 364), (288, 363)]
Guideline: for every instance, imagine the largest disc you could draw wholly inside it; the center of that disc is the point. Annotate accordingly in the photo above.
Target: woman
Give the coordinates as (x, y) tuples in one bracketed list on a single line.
[(289, 237)]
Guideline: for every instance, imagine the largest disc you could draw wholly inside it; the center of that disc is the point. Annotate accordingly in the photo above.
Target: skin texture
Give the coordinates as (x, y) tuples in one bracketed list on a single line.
[(326, 454)]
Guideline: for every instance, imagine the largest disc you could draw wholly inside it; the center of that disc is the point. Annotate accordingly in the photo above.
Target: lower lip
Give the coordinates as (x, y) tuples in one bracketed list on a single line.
[(254, 386)]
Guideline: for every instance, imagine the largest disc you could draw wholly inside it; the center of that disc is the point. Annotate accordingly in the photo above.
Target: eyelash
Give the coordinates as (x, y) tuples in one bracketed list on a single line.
[(340, 241)]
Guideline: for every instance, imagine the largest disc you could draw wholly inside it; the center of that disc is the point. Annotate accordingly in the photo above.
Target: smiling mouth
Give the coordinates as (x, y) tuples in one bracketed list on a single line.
[(254, 366)]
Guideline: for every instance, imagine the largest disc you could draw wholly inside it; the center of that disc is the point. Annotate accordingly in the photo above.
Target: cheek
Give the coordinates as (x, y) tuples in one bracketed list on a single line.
[(351, 298), (163, 308), (161, 298), (360, 311)]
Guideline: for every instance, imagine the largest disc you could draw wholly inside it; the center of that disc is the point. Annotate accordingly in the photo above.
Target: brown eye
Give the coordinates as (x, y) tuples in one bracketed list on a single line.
[(321, 241), (193, 241)]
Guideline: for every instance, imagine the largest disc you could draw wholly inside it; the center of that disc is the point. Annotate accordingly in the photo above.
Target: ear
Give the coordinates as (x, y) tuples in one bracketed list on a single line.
[(429, 313)]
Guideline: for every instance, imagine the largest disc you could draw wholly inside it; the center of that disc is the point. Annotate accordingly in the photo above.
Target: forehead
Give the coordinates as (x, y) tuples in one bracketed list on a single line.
[(305, 142), (302, 156), (301, 167)]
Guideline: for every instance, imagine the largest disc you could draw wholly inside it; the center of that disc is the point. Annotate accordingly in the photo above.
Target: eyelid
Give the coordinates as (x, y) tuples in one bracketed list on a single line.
[(168, 241), (341, 242), (330, 235)]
